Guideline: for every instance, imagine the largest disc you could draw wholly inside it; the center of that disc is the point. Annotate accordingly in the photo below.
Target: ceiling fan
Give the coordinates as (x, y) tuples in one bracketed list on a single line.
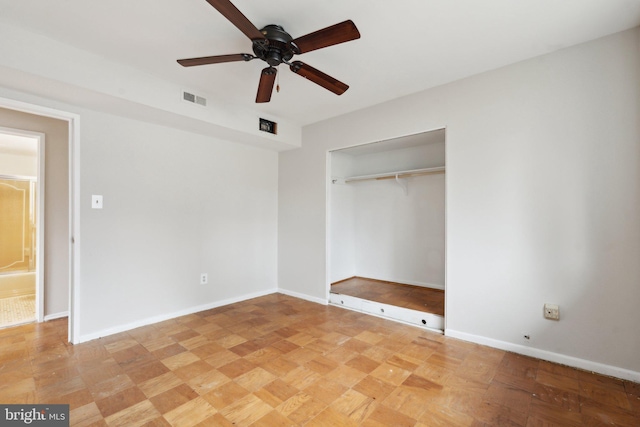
[(275, 46)]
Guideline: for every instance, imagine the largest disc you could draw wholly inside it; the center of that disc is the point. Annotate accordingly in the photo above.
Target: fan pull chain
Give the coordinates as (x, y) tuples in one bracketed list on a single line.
[(278, 83)]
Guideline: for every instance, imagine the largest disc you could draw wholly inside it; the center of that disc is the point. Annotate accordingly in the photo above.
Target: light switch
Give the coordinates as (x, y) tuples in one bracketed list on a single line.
[(96, 201)]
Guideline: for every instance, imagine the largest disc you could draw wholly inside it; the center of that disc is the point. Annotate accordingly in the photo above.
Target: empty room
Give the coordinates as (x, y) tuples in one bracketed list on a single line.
[(416, 213)]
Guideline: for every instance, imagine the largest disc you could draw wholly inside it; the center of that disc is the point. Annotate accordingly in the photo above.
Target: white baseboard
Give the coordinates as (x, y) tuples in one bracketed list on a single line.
[(55, 316), (343, 279), (168, 316), (407, 282), (562, 359), (303, 296)]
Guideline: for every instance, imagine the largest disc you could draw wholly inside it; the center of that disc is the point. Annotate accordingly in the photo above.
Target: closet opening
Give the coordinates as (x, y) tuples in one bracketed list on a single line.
[(387, 230)]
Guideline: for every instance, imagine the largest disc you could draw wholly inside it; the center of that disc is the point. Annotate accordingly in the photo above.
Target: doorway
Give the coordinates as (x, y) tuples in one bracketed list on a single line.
[(62, 130), (387, 230), (21, 241)]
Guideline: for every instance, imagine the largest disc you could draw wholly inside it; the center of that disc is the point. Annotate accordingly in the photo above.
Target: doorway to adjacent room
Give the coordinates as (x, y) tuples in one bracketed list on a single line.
[(21, 225)]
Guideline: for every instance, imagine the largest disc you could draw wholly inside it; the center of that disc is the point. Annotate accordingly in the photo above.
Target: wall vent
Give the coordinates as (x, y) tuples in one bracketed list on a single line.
[(194, 99), (268, 126)]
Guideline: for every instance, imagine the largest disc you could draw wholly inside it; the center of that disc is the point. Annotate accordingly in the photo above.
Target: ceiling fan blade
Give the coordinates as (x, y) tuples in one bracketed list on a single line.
[(318, 77), (265, 88), (335, 34), (229, 11), (205, 60)]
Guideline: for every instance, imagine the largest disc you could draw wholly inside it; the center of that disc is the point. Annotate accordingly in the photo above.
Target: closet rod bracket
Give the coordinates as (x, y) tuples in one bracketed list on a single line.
[(403, 183)]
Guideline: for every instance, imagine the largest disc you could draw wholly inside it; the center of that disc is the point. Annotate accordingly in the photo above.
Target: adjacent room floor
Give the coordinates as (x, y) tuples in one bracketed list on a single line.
[(280, 361), (407, 296), (17, 298), (17, 310)]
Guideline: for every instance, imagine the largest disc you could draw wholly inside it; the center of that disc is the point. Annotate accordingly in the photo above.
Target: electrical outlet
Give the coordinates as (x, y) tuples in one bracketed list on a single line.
[(551, 311), (204, 279)]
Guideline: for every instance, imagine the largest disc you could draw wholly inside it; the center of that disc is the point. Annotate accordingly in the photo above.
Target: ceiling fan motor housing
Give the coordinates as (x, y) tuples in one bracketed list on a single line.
[(279, 48)]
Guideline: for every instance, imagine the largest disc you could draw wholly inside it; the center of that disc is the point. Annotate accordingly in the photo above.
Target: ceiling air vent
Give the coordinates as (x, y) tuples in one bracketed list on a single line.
[(194, 99)]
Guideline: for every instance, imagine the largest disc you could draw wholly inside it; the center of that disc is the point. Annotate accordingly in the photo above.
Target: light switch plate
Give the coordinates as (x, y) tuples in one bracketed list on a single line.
[(96, 201)]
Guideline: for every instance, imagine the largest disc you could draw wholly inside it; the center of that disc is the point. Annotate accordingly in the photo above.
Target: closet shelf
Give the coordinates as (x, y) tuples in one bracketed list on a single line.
[(396, 175)]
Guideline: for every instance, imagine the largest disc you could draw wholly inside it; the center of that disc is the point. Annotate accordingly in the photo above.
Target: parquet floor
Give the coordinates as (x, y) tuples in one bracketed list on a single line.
[(281, 361), (406, 296)]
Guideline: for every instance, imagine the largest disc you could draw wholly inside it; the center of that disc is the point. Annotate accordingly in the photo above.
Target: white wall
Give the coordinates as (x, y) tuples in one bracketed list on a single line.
[(176, 205), (342, 237), (543, 201), (430, 155), (401, 238), (56, 227)]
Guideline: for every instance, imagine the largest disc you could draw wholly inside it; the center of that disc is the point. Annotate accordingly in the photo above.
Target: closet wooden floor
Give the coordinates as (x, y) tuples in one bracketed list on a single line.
[(406, 296), (281, 361)]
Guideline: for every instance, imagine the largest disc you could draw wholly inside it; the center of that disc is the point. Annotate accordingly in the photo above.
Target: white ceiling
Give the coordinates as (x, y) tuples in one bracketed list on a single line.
[(406, 45)]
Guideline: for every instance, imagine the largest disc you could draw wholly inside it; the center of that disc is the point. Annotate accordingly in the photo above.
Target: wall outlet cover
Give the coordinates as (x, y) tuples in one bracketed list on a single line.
[(551, 311)]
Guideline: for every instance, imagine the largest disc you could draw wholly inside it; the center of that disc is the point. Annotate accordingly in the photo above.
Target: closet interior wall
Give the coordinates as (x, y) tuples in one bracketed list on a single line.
[(377, 230)]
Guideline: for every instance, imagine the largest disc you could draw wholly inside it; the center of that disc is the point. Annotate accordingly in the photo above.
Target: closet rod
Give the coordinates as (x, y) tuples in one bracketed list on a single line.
[(397, 175)]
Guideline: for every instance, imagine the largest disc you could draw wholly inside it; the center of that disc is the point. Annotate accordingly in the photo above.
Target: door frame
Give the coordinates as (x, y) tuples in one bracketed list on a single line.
[(40, 186), (73, 121)]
